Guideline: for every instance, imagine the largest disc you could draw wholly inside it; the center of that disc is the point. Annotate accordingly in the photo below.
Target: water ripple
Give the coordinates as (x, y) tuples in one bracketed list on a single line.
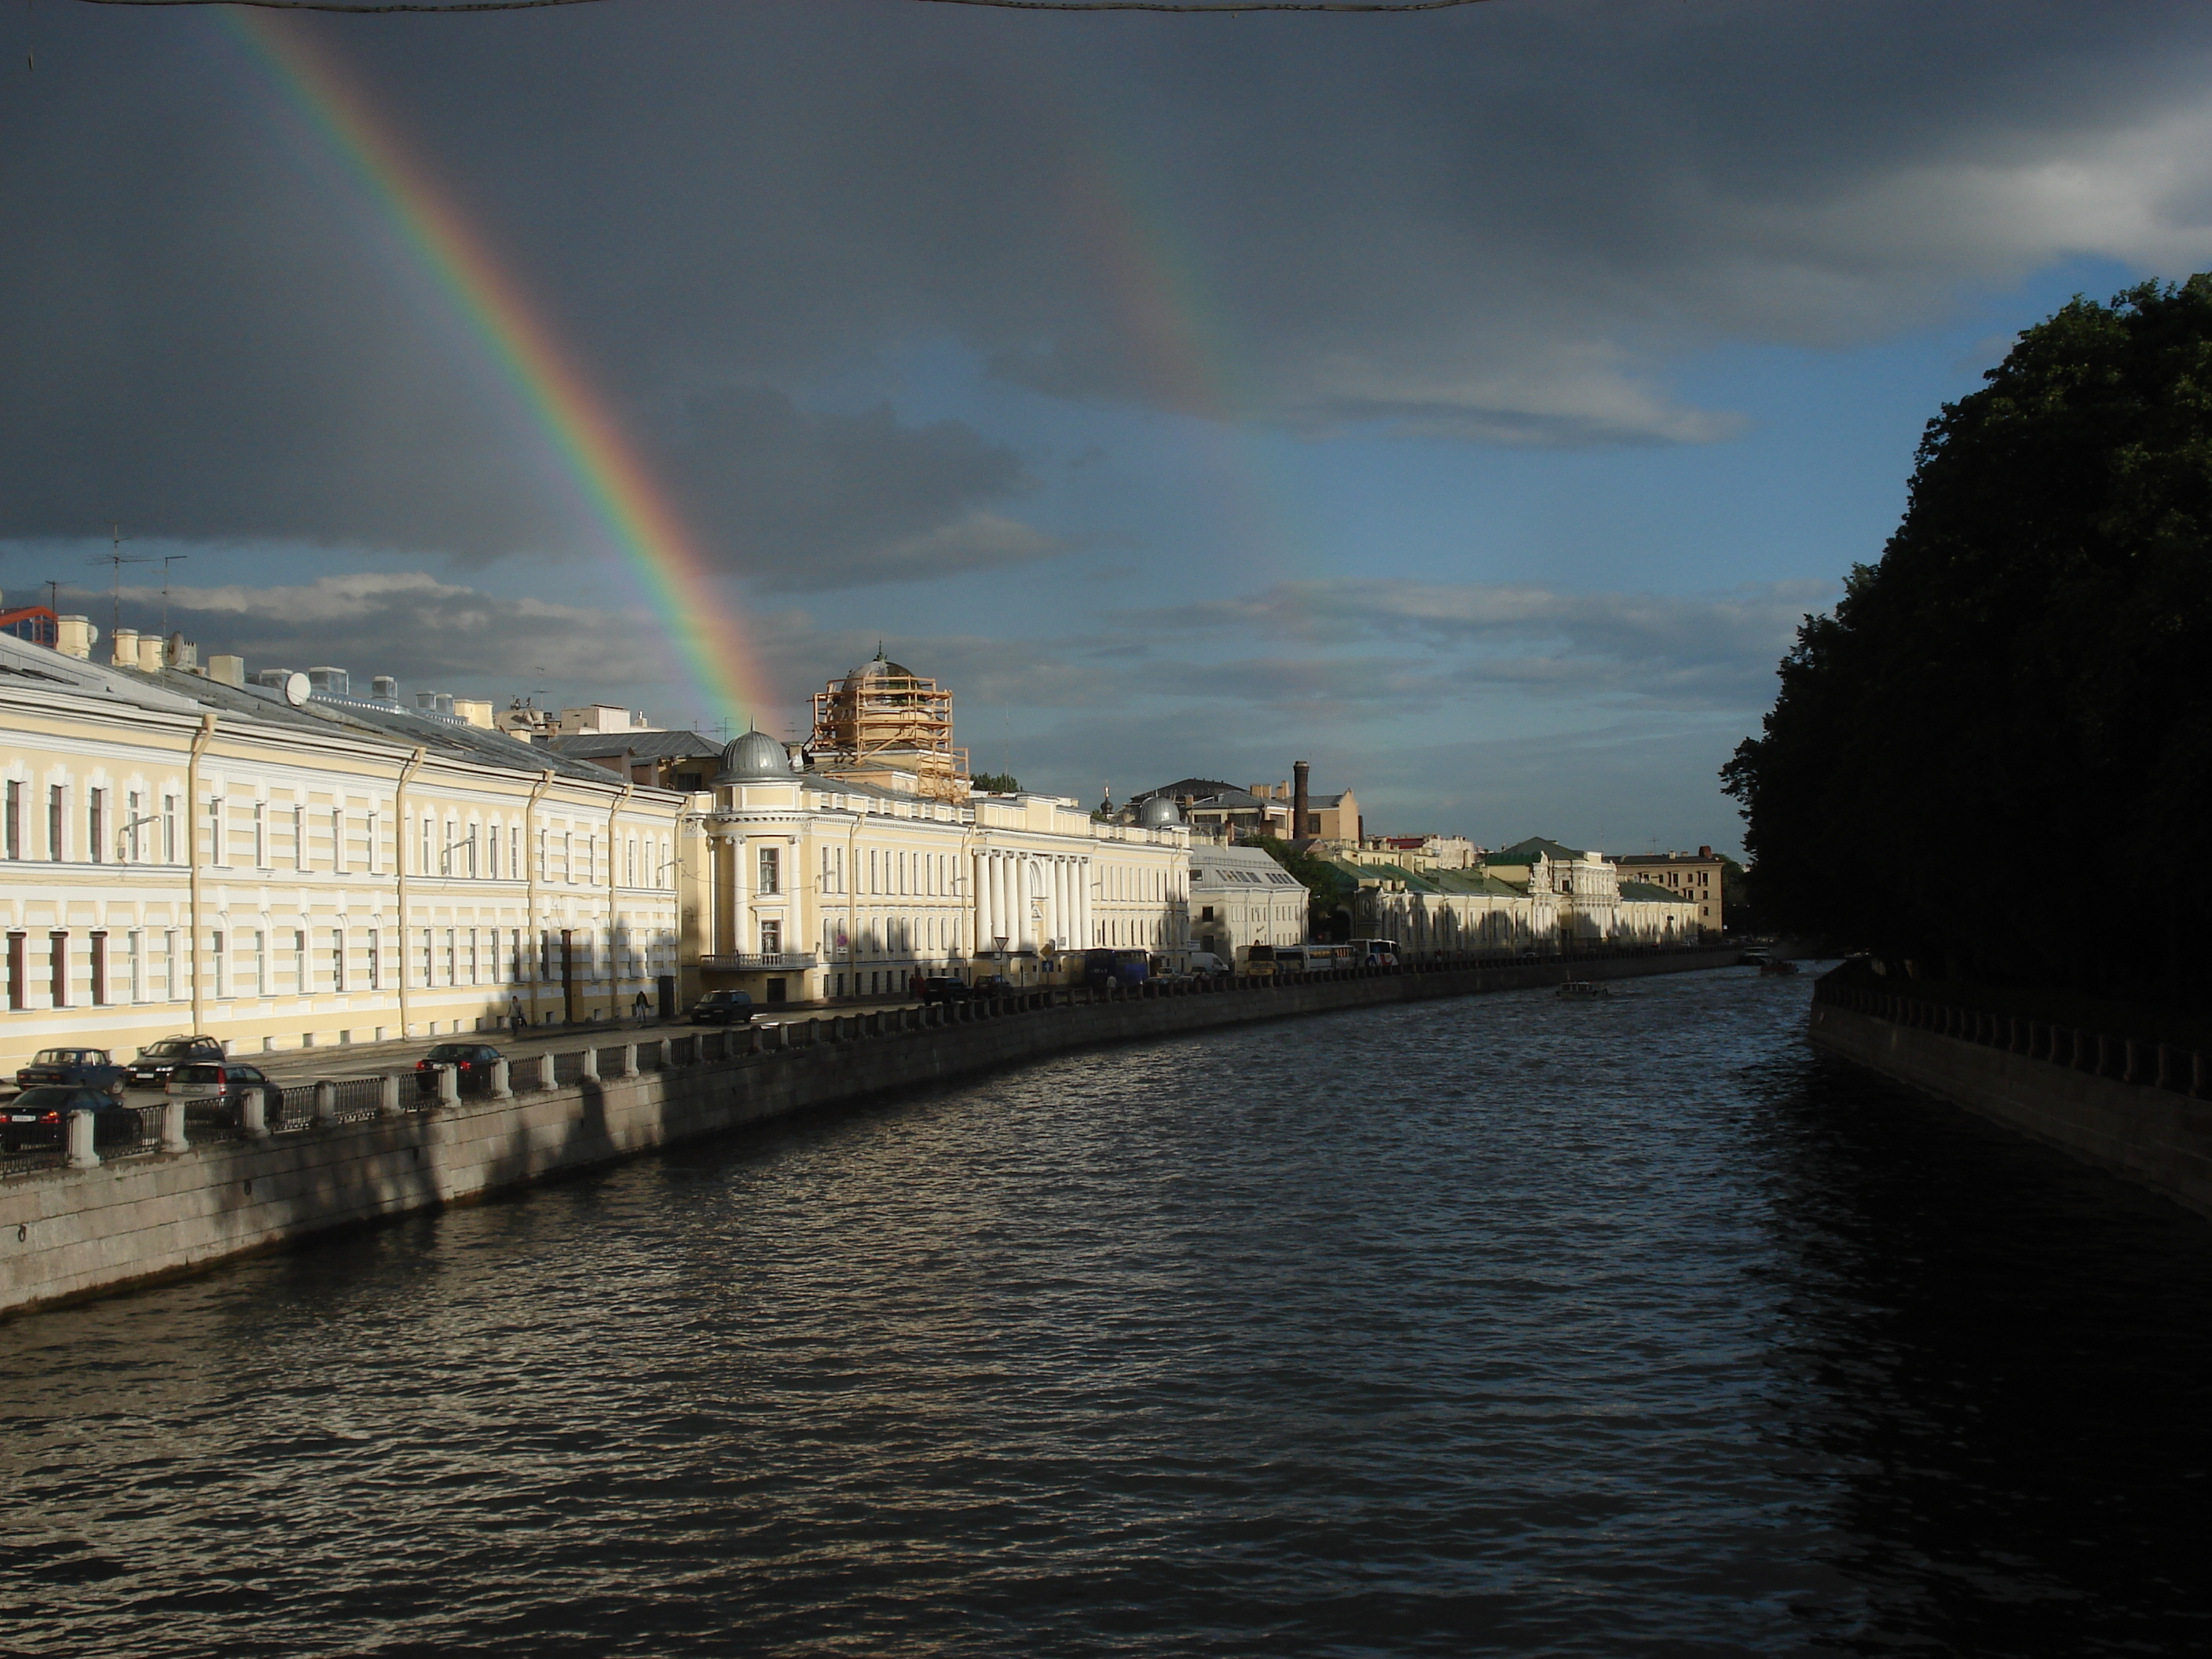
[(1495, 1326)]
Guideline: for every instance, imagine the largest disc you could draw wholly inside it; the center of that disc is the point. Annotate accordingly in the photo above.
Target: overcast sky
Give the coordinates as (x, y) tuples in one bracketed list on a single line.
[(1470, 403)]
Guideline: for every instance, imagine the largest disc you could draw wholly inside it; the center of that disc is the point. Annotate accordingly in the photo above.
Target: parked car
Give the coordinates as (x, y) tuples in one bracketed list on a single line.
[(472, 1063), (723, 1008), (89, 1068), (992, 985), (1207, 965), (152, 1067), (945, 987), (39, 1117), (215, 1094)]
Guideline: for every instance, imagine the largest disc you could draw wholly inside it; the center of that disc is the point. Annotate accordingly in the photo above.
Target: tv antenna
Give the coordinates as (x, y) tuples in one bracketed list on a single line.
[(167, 559), (116, 558)]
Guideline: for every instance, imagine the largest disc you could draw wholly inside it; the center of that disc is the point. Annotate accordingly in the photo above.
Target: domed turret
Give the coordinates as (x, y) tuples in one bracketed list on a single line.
[(1160, 810), (754, 758)]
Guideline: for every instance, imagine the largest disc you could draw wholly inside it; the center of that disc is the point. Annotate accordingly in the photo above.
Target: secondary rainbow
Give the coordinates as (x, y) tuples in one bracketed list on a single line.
[(611, 482)]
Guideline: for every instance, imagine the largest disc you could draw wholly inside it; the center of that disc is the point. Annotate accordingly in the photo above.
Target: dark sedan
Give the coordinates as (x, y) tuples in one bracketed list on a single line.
[(39, 1117), (84, 1068), (945, 987), (472, 1064), (723, 1008), (156, 1060)]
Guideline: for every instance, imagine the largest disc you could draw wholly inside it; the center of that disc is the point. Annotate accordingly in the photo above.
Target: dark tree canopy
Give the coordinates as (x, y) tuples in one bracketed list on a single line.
[(1994, 757)]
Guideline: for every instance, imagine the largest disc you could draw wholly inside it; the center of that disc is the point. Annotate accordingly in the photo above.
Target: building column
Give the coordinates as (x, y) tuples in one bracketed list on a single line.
[(981, 879)]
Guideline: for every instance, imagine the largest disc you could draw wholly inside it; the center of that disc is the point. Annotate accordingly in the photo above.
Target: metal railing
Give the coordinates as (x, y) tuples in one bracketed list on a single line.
[(2173, 1067), (215, 1120)]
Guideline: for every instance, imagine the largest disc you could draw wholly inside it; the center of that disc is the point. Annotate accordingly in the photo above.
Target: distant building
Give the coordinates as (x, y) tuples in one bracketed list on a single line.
[(1240, 897), (682, 760), (1419, 852), (284, 866), (1537, 895), (865, 859), (1693, 875), (1220, 811)]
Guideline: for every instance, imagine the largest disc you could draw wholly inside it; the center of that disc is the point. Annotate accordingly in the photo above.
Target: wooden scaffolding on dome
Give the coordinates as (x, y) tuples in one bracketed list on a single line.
[(884, 718)]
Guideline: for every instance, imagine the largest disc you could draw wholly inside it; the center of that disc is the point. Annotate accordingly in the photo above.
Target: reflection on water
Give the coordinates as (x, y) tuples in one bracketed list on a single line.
[(1500, 1325)]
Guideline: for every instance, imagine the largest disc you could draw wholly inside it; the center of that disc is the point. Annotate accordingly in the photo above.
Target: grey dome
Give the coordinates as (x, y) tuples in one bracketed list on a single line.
[(1160, 810), (754, 758)]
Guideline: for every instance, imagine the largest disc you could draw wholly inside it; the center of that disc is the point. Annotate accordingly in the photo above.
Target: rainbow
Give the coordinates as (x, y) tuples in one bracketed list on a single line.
[(611, 481)]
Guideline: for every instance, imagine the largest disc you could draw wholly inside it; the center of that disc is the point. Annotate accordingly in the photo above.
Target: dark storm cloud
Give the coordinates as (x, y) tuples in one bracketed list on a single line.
[(799, 499), (1493, 225)]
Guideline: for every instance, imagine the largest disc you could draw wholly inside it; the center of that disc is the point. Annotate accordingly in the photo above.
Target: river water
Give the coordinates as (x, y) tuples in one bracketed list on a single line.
[(1499, 1325)]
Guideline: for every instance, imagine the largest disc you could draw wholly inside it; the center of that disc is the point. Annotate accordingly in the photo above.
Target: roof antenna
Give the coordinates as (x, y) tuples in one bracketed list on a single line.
[(167, 559), (115, 556)]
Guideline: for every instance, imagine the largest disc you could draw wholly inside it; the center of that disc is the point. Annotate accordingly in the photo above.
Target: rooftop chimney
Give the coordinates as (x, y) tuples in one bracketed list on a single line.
[(1300, 771), (1705, 852), (125, 654), (383, 689), (74, 637), (227, 670)]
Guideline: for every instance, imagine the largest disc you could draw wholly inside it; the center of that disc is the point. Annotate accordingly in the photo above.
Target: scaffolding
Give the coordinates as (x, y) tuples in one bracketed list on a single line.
[(884, 717)]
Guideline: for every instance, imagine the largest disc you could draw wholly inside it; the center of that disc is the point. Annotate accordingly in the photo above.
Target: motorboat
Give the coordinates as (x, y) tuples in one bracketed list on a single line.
[(1777, 966), (1582, 990)]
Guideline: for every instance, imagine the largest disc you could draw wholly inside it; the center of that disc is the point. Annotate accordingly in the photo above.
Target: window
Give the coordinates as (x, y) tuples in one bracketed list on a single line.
[(491, 852), (11, 827), (168, 828), (300, 839), (99, 969), (261, 835), (771, 937), (337, 959), (429, 959), (221, 964), (591, 860), (515, 851), (771, 870), (375, 955), (134, 850), (369, 841), (95, 825), (134, 956), (57, 807), (474, 966), (569, 855), (59, 943), (423, 864), (18, 947), (260, 964), (169, 990), (303, 970), (337, 841), (471, 845), (452, 958)]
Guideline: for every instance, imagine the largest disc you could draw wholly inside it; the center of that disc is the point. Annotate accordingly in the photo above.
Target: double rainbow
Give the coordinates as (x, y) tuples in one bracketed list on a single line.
[(611, 482)]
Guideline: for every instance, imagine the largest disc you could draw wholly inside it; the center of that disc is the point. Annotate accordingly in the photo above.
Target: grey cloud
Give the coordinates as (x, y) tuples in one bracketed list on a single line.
[(1684, 651), (800, 500), (1493, 225), (422, 629)]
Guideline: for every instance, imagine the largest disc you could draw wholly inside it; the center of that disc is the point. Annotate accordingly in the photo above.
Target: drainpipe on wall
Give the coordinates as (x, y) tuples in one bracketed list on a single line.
[(400, 873), (530, 889), (205, 736)]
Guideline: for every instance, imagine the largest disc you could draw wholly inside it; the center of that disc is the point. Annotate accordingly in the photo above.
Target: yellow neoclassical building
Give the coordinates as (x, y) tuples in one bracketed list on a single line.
[(848, 870), (282, 865)]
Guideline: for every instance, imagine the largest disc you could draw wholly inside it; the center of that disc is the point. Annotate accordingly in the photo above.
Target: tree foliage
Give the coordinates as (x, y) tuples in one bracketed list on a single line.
[(2012, 707), (996, 783), (1326, 886)]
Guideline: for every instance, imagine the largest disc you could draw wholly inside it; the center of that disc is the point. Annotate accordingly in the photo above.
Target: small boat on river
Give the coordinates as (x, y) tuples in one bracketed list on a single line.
[(1582, 990)]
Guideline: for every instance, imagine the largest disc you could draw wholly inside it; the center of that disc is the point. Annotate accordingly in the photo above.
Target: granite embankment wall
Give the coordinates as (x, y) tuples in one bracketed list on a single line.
[(2137, 1108), (67, 1233)]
